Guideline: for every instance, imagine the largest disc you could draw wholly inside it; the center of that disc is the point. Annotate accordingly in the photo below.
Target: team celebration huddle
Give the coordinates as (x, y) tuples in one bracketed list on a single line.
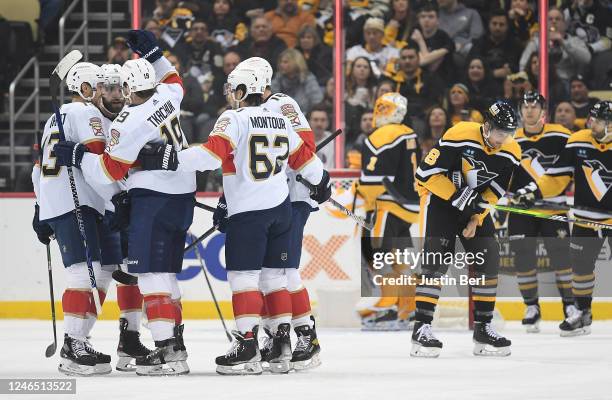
[(115, 187)]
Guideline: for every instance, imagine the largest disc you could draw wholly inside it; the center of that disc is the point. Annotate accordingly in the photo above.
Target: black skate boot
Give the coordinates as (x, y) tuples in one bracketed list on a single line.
[(384, 320), (406, 324), (168, 358), (130, 349), (577, 323), (280, 355), (102, 360), (532, 318), (266, 349), (424, 343), (487, 342), (242, 358), (75, 359), (307, 349)]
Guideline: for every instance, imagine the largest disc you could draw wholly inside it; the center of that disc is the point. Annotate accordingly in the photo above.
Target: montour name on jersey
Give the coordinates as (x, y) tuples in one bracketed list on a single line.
[(267, 122), (161, 114)]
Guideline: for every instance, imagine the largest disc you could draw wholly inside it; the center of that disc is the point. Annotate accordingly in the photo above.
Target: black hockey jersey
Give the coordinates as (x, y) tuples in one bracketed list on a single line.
[(590, 164), (390, 151), (461, 158)]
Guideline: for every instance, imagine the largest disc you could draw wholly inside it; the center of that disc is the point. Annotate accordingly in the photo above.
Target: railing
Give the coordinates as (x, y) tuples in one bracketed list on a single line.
[(83, 29), (14, 116), (109, 21)]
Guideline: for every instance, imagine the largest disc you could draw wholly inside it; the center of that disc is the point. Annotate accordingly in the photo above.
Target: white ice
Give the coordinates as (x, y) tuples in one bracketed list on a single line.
[(356, 365)]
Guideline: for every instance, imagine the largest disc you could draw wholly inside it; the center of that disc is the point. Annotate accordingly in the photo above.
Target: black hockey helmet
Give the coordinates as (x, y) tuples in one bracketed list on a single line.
[(602, 110), (533, 97), (501, 116)]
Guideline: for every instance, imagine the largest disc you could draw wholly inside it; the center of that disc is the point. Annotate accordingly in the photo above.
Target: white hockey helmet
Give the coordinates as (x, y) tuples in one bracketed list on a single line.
[(390, 108), (113, 74), (139, 75), (84, 72), (258, 64), (253, 80)]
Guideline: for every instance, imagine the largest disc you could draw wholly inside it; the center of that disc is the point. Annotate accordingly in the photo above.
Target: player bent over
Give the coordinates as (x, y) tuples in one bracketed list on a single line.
[(541, 143), (587, 157), (480, 160), (307, 349), (162, 202), (113, 233), (390, 151), (253, 146), (55, 215)]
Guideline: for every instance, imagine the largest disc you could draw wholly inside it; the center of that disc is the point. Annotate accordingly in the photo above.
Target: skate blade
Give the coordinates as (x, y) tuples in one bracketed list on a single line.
[(70, 368), (103, 369), (585, 330), (381, 327), (532, 328), (424, 352), (280, 366), (126, 364), (313, 362), (168, 369), (486, 350), (249, 368)]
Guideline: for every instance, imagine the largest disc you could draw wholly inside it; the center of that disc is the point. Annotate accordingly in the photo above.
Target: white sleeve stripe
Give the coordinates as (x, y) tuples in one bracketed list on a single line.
[(429, 172), (560, 170)]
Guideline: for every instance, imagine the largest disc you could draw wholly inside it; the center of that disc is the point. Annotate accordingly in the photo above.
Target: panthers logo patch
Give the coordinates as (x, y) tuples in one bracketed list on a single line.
[(289, 111), (96, 126)]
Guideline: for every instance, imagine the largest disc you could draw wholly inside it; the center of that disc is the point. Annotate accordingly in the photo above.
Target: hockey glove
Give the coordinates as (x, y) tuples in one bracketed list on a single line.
[(322, 191), (43, 230), (123, 206), (144, 44), (527, 195), (69, 154), (158, 156), (467, 201), (220, 218)]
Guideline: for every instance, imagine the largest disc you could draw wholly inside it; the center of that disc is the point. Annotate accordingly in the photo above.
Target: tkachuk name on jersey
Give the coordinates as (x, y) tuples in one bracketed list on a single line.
[(161, 114), (267, 123)]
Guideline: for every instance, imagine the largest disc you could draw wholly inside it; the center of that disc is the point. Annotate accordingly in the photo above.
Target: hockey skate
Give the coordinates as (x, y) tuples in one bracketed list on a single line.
[(168, 358), (266, 349), (129, 349), (577, 323), (307, 349), (280, 354), (487, 342), (102, 360), (531, 322), (424, 343), (406, 324), (242, 358), (384, 320), (75, 359)]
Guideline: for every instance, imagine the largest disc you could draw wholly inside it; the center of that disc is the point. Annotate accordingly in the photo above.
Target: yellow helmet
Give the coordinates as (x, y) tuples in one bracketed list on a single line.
[(390, 108)]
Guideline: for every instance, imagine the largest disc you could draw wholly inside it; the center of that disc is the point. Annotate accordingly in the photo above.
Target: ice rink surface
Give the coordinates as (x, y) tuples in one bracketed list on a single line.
[(356, 365)]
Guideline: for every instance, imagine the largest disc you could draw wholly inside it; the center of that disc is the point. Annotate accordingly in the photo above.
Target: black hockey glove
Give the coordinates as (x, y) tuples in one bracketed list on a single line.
[(322, 191), (157, 156), (467, 201), (144, 44), (220, 215), (43, 230), (69, 154), (527, 195), (123, 206)]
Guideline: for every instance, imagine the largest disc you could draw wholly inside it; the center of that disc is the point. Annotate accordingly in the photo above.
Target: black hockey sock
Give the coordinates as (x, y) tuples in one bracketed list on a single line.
[(564, 284), (484, 297), (426, 301), (528, 285)]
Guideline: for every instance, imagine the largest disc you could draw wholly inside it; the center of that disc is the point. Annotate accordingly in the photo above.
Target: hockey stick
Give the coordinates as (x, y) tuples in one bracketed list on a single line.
[(328, 139), (536, 214), (346, 211), (205, 207), (58, 75), (53, 346), (124, 278), (562, 207), (392, 190), (202, 237), (212, 293)]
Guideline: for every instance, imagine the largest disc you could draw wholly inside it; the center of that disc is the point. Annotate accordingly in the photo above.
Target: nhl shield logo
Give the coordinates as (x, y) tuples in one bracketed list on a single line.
[(284, 256)]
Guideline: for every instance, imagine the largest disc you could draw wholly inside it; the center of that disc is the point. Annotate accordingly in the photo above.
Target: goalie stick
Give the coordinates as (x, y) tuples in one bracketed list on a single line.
[(58, 75), (53, 346)]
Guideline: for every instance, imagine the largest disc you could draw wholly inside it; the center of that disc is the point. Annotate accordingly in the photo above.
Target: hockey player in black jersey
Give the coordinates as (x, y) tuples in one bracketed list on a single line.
[(472, 164), (587, 157), (541, 143)]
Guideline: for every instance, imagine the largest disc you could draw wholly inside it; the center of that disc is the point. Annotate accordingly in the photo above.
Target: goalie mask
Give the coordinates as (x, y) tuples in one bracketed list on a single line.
[(84, 72), (600, 121), (390, 108), (139, 75)]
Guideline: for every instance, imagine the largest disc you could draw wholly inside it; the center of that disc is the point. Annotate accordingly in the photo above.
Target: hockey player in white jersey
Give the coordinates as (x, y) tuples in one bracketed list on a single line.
[(307, 349), (253, 146), (114, 236), (162, 202), (54, 214)]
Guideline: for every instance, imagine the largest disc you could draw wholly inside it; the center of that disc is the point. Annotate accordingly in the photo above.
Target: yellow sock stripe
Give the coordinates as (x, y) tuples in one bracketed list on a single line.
[(426, 299), (584, 278), (528, 286), (490, 299)]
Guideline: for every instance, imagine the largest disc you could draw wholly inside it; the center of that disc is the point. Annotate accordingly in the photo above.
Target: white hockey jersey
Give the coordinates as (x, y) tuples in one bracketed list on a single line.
[(83, 124), (283, 104), (254, 146), (155, 121)]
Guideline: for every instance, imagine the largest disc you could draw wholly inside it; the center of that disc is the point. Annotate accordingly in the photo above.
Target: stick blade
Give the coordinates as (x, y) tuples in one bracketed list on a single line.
[(62, 68), (124, 278), (51, 349)]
